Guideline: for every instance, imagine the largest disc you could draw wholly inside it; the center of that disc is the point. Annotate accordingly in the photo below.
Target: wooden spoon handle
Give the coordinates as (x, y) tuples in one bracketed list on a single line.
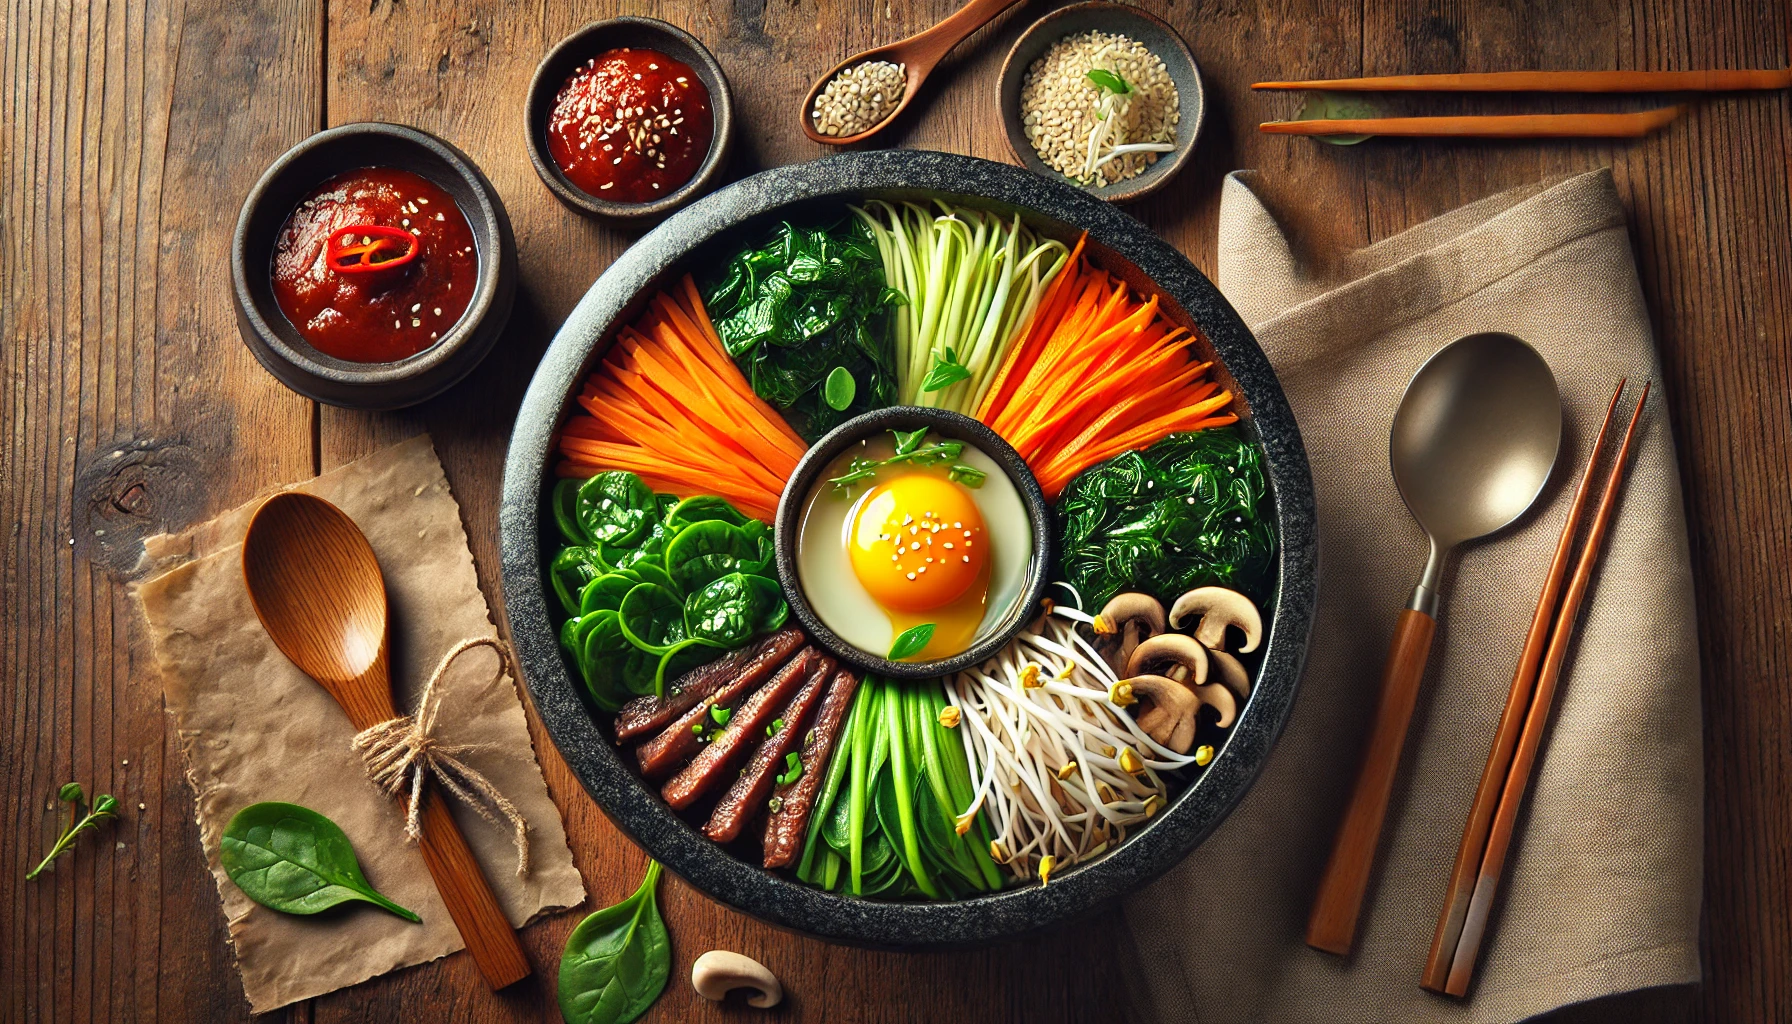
[(932, 45), (1332, 926), (471, 902)]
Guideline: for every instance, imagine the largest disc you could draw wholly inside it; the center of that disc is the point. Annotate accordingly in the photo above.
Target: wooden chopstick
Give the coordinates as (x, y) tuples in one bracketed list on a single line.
[(1518, 703), (1554, 81), (1502, 126), (1499, 840)]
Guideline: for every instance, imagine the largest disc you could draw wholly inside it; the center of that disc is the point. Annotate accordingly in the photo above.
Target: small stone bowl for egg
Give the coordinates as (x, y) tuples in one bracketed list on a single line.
[(810, 473), (1103, 16)]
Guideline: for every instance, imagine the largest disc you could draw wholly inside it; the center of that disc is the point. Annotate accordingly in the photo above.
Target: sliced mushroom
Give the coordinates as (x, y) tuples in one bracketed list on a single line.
[(1132, 617), (1171, 719), (1232, 674), (1185, 657), (1218, 608), (719, 972)]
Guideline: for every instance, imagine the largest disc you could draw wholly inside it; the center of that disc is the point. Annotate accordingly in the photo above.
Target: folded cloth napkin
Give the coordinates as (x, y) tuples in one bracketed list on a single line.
[(253, 727), (1601, 894)]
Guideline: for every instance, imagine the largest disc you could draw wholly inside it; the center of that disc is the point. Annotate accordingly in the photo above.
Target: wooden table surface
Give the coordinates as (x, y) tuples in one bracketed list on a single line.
[(133, 129)]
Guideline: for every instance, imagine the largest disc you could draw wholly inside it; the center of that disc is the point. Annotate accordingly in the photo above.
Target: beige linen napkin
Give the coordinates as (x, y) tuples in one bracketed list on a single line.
[(253, 728), (1601, 894)]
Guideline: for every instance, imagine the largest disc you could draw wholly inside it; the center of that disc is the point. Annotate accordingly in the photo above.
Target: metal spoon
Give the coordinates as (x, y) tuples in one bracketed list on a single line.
[(1473, 442), (318, 591), (919, 54)]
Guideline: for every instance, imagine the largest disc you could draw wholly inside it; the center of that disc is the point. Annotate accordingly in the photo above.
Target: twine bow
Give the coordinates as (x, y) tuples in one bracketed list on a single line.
[(400, 752)]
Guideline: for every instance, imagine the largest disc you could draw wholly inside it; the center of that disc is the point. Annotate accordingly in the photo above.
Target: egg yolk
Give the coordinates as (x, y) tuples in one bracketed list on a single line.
[(919, 548)]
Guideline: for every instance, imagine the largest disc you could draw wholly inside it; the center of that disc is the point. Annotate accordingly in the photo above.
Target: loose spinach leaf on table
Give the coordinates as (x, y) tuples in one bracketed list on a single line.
[(800, 307), (295, 860), (617, 961)]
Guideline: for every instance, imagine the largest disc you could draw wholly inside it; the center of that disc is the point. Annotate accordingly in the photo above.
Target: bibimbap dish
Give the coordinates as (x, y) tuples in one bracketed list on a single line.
[(805, 775)]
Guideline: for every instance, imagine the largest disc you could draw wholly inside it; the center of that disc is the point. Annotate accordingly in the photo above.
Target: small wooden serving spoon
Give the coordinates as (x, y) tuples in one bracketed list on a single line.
[(919, 53), (318, 590)]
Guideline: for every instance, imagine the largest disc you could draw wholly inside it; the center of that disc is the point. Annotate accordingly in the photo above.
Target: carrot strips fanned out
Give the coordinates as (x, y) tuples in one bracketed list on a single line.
[(1099, 371), (668, 405)]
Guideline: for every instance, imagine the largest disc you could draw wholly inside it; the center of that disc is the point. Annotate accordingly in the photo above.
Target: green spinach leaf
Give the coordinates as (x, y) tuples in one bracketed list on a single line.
[(606, 592), (706, 551), (1191, 510), (617, 961), (702, 509), (799, 307), (840, 388), (652, 617), (565, 503), (295, 860), (731, 609), (615, 507)]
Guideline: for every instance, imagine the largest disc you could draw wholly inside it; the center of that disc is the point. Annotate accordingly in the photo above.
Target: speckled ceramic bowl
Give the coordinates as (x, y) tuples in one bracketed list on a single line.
[(696, 239), (1102, 16)]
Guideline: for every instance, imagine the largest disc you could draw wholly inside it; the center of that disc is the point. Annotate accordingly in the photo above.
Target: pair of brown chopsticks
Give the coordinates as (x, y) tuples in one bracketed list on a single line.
[(1524, 125), (1491, 821)]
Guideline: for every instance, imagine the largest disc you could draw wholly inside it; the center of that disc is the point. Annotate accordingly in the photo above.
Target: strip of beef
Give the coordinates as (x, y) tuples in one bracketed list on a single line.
[(747, 724), (645, 714), (743, 800), (664, 753), (789, 824)]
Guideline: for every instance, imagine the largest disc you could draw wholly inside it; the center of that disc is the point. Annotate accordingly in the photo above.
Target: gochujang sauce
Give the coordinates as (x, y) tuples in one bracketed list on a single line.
[(630, 126), (332, 286)]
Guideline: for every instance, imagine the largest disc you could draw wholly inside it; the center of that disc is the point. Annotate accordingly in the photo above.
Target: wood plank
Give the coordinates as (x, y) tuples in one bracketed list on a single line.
[(125, 389)]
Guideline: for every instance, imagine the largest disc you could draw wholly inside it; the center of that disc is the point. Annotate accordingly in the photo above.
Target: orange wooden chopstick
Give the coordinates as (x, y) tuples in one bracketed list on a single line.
[(1554, 81), (1524, 759), (1518, 703), (1500, 126)]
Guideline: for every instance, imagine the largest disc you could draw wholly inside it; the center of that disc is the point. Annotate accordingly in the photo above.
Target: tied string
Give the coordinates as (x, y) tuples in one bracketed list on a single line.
[(400, 752)]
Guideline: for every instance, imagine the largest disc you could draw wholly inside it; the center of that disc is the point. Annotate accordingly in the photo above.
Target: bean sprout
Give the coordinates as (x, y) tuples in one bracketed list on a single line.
[(1045, 746)]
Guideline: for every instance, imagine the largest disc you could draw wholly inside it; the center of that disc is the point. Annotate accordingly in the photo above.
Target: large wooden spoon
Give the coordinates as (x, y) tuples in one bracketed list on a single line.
[(920, 53), (318, 590)]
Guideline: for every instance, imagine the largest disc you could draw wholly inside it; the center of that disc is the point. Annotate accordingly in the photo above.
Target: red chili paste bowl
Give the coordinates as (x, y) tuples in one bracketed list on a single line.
[(456, 343), (573, 54)]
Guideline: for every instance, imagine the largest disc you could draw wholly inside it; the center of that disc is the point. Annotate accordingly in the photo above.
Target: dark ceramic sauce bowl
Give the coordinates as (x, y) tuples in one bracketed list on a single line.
[(810, 473), (278, 345), (697, 240), (588, 42)]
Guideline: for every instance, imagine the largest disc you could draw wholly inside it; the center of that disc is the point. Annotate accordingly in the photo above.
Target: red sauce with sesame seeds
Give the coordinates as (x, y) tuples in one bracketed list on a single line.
[(630, 126), (379, 316)]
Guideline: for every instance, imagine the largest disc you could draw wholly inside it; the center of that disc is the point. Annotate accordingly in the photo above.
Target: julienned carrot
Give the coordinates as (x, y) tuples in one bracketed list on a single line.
[(1099, 372), (669, 405)]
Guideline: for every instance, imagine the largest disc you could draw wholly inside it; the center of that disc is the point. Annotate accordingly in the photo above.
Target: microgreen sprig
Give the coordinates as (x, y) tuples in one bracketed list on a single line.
[(909, 449), (104, 808)]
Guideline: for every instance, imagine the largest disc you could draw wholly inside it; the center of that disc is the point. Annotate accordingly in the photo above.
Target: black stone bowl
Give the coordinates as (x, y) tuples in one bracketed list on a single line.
[(1103, 16), (696, 240), (957, 427), (278, 345), (588, 42)]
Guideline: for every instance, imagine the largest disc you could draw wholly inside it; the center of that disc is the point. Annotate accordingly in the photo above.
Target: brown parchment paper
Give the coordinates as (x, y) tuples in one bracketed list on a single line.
[(253, 728), (1601, 889)]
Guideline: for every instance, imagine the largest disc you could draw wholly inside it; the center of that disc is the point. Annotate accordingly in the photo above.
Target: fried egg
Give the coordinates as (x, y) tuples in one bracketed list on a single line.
[(913, 546)]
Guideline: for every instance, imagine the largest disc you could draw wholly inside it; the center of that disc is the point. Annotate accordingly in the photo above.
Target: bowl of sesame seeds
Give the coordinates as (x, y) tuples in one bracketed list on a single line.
[(1104, 96), (628, 119)]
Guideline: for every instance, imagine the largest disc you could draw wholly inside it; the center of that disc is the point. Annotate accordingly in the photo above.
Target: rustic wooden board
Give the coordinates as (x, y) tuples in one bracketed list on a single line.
[(132, 130)]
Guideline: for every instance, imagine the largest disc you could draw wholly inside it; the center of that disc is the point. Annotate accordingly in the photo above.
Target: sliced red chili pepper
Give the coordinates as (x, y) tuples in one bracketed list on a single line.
[(369, 248)]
